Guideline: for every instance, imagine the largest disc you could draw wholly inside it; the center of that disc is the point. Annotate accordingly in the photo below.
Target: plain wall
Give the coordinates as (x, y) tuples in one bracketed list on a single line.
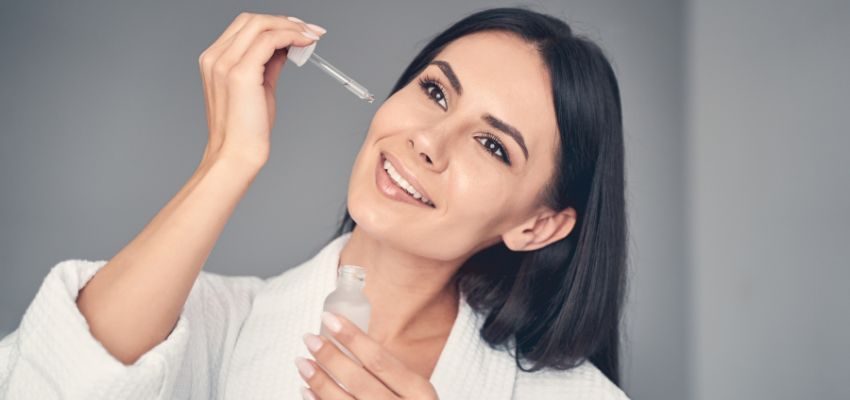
[(102, 121), (769, 198)]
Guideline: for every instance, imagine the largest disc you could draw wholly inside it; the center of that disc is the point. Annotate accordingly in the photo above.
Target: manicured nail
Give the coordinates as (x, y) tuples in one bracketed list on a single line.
[(307, 394), (333, 323), (318, 29), (293, 19), (304, 367), (313, 342), (310, 35)]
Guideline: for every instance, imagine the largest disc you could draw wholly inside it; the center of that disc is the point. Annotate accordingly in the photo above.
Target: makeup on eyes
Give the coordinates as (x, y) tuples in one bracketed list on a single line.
[(428, 83), (504, 157), (491, 120)]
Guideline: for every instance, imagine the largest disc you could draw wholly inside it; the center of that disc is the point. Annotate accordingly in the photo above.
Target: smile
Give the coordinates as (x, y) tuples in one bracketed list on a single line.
[(395, 187)]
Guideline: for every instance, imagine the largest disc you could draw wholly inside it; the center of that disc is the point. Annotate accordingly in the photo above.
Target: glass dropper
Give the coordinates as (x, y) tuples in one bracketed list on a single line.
[(349, 83)]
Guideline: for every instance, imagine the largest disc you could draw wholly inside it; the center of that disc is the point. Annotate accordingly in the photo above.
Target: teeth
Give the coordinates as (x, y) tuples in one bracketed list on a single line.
[(400, 181)]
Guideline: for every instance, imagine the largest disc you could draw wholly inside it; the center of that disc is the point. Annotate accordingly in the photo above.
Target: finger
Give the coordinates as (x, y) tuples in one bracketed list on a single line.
[(229, 49), (318, 30), (275, 64), (208, 99), (251, 71), (353, 378), (321, 384), (308, 394), (242, 19), (273, 68), (383, 365), (253, 63), (234, 27), (246, 36), (215, 94), (214, 89)]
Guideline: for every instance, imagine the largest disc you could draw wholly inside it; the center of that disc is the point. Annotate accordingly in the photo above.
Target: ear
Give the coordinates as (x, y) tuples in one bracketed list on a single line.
[(540, 230)]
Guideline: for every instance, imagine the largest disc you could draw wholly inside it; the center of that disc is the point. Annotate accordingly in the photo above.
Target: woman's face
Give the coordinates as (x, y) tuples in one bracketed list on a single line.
[(450, 129)]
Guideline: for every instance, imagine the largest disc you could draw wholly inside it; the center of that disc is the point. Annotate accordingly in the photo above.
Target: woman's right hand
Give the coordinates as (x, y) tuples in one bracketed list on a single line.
[(240, 72)]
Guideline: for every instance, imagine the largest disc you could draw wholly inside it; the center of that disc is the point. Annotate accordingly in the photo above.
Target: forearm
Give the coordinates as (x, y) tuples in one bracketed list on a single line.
[(134, 301)]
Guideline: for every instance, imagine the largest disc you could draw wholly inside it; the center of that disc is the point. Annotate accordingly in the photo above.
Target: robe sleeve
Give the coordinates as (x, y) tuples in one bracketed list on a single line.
[(53, 354)]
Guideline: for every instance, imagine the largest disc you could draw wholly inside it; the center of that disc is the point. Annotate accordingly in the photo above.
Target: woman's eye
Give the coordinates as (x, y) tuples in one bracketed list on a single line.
[(495, 148), (433, 90)]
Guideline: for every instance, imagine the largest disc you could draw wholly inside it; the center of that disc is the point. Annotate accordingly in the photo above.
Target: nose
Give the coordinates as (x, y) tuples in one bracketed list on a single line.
[(425, 151), (423, 155)]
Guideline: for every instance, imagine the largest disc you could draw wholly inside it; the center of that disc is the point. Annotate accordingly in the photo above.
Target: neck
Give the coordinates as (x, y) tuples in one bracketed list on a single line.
[(412, 298)]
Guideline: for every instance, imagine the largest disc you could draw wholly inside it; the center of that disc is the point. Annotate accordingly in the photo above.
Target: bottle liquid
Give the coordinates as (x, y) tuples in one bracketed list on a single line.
[(348, 301)]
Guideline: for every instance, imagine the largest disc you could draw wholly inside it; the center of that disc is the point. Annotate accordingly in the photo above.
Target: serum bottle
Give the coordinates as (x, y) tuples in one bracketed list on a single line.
[(348, 301)]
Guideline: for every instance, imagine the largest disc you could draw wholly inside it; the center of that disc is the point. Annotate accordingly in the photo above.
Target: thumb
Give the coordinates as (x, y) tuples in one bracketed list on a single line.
[(273, 68)]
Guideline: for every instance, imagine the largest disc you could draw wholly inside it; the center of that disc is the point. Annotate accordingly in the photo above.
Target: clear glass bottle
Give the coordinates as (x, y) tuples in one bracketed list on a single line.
[(349, 301)]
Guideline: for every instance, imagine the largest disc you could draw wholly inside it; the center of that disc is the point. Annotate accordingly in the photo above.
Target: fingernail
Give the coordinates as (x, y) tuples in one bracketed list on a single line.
[(307, 394), (333, 323), (316, 28), (310, 35), (293, 19), (304, 367), (313, 342)]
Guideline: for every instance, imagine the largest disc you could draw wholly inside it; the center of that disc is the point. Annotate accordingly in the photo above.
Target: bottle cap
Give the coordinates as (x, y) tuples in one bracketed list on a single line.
[(300, 55)]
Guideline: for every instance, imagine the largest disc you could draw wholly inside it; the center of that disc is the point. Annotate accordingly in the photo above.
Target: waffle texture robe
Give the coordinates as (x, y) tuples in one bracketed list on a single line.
[(236, 339)]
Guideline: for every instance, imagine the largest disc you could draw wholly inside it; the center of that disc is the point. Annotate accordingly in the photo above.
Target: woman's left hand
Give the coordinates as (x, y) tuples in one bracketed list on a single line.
[(382, 375)]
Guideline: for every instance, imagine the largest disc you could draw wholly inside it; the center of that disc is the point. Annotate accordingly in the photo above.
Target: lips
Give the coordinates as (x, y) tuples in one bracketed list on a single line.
[(410, 178)]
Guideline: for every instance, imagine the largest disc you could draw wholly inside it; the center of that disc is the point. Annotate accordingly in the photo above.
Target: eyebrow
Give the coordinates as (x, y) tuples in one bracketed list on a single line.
[(450, 74), (507, 129), (489, 118)]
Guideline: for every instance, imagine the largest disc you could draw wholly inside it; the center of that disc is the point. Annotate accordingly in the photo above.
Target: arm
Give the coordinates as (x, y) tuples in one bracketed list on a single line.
[(133, 302), (53, 355)]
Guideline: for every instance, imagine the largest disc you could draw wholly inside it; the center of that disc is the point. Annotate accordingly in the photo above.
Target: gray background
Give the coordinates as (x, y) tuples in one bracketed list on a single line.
[(737, 188)]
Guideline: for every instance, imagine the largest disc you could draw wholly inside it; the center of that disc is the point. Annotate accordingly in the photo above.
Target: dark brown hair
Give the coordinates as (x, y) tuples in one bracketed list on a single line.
[(556, 306)]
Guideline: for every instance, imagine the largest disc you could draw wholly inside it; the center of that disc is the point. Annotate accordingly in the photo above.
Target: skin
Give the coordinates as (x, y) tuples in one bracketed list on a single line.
[(410, 253), (134, 301)]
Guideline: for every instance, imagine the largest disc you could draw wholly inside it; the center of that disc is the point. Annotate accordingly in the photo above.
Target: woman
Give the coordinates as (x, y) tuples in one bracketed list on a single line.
[(494, 247)]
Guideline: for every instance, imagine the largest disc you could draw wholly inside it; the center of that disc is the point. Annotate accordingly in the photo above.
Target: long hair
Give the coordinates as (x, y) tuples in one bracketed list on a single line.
[(561, 304)]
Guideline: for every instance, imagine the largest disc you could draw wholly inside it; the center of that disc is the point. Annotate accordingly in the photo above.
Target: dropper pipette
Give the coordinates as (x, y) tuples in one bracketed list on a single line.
[(300, 55), (349, 83)]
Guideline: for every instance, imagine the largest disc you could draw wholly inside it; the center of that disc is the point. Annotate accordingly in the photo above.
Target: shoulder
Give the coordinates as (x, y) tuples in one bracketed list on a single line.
[(584, 382), (230, 294), (228, 286)]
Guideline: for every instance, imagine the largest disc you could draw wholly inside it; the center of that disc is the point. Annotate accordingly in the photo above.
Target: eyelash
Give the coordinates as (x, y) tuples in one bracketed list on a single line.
[(426, 83), (504, 156)]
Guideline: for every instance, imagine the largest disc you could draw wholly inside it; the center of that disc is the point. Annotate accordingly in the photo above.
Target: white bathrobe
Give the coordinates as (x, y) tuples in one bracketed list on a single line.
[(236, 339)]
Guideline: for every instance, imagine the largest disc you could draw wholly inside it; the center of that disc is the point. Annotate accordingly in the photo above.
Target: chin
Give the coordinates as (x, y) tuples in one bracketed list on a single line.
[(371, 218)]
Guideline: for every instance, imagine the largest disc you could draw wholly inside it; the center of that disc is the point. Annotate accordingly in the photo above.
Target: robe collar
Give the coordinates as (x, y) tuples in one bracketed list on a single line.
[(467, 367)]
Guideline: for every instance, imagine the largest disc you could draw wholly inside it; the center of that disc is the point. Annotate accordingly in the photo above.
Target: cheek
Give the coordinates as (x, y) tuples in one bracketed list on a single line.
[(399, 113), (382, 118), (479, 195)]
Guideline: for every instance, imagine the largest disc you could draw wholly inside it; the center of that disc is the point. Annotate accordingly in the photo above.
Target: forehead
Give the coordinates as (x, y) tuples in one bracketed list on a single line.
[(504, 75)]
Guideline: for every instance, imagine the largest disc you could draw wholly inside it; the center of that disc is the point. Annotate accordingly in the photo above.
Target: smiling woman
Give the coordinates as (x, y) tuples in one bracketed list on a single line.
[(486, 207), (514, 127)]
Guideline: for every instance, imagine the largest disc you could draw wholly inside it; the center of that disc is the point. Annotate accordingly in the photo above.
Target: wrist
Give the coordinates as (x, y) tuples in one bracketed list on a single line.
[(236, 169)]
